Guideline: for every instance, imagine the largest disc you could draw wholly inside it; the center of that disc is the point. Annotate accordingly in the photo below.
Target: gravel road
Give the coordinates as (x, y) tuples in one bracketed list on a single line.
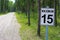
[(9, 27)]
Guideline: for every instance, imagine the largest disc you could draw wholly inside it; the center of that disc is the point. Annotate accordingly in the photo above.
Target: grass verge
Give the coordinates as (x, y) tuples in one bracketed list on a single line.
[(2, 14), (30, 32)]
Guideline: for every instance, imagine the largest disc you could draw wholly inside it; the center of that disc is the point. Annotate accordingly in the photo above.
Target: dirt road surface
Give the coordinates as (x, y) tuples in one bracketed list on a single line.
[(9, 27)]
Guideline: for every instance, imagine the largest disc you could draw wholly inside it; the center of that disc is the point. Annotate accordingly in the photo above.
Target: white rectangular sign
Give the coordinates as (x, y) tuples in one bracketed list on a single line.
[(47, 16)]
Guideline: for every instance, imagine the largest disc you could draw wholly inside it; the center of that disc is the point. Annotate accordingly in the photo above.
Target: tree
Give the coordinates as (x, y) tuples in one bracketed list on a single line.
[(0, 5), (3, 5), (11, 6), (59, 8), (28, 10), (39, 11), (55, 6)]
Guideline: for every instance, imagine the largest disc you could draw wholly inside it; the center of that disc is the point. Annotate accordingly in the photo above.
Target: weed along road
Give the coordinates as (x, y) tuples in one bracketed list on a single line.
[(9, 27)]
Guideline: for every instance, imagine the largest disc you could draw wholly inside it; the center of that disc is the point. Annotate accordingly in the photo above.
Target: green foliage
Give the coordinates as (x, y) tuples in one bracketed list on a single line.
[(11, 6), (3, 5), (22, 5), (27, 32), (30, 32)]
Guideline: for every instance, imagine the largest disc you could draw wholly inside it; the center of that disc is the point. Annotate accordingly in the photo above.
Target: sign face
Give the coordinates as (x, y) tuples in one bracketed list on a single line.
[(47, 16)]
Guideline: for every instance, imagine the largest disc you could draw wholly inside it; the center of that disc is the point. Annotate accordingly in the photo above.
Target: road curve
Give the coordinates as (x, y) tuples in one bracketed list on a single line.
[(9, 27)]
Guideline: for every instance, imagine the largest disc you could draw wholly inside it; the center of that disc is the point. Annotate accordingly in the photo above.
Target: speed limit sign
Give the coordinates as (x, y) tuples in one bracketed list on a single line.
[(47, 16)]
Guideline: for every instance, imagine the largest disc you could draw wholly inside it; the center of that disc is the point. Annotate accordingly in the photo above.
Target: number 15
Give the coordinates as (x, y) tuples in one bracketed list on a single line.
[(48, 18)]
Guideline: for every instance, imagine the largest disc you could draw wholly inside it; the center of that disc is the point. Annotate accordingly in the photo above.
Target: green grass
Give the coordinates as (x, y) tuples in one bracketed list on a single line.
[(2, 14), (30, 32)]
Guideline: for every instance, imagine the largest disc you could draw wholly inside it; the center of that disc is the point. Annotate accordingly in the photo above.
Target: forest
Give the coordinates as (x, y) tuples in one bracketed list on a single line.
[(28, 13)]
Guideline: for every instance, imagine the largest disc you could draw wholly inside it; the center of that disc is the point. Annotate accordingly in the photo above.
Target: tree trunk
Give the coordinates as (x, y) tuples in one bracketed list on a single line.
[(55, 12), (28, 7), (39, 11)]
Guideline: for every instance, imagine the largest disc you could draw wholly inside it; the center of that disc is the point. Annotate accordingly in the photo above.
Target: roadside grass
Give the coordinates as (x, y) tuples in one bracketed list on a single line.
[(2, 13), (30, 32)]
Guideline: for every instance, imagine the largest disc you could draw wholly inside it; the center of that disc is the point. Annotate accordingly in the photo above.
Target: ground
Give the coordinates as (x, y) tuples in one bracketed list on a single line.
[(30, 32), (9, 27)]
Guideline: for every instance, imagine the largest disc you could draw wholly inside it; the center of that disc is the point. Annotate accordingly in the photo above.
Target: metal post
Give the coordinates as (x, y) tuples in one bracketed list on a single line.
[(46, 32), (47, 28)]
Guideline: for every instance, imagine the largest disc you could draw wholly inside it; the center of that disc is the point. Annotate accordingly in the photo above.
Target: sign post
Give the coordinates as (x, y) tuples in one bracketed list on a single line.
[(47, 18), (46, 32)]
